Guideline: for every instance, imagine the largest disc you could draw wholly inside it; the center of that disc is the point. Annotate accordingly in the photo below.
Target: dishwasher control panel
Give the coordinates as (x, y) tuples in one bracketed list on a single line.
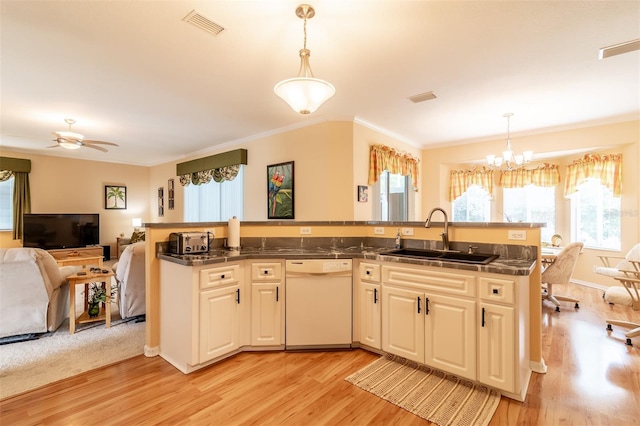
[(319, 266)]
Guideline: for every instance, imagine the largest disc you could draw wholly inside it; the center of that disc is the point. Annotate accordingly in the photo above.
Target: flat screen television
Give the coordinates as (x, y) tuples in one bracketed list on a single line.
[(57, 231)]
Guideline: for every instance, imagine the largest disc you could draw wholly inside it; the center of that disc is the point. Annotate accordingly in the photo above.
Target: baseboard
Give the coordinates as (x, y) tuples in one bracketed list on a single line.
[(151, 351), (589, 284)]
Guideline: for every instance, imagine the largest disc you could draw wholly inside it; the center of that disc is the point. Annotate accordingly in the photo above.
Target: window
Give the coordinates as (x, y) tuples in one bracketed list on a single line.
[(214, 202), (595, 216), (472, 206), (394, 197), (6, 205), (531, 204)]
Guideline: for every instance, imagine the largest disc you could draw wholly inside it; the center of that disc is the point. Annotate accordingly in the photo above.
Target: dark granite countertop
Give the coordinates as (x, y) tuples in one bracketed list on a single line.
[(506, 266)]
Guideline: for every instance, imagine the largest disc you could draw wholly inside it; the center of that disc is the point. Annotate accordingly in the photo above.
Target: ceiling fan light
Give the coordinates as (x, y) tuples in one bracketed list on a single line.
[(69, 144), (303, 94)]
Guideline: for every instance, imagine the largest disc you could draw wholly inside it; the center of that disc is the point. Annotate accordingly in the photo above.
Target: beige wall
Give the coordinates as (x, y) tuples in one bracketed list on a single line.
[(330, 158), (63, 185), (614, 138)]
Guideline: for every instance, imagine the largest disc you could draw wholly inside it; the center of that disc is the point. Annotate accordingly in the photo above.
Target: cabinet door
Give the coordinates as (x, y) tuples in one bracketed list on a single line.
[(219, 322), (403, 323), (370, 315), (450, 335), (497, 347), (266, 314)]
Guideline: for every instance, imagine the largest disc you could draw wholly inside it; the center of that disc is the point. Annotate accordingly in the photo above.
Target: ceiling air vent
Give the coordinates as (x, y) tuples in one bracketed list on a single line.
[(203, 23), (427, 96)]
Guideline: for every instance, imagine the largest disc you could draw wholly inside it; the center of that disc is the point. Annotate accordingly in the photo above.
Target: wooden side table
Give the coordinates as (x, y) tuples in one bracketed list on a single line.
[(86, 278)]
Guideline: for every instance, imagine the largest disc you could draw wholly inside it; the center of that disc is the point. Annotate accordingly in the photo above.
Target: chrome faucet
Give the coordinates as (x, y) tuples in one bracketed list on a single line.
[(445, 234)]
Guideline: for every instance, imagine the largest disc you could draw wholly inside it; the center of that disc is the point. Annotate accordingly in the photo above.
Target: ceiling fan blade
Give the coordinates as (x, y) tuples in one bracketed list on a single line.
[(99, 148), (87, 141), (54, 146)]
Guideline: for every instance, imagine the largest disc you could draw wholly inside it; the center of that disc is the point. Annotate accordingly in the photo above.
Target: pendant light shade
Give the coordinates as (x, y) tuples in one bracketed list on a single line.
[(509, 158), (304, 93)]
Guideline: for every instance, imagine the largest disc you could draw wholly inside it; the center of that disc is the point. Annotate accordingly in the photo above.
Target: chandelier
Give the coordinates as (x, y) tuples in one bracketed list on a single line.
[(509, 158), (304, 93)]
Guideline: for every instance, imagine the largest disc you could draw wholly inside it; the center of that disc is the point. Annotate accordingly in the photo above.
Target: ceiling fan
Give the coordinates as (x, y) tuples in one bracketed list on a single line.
[(71, 140)]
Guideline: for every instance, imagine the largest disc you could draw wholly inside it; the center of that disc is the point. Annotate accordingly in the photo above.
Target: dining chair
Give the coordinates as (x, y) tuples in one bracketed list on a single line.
[(627, 272), (560, 272)]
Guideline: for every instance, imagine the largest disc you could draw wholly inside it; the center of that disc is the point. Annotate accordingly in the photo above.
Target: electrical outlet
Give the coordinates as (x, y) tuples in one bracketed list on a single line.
[(517, 235), (407, 231), (305, 230), (378, 230)]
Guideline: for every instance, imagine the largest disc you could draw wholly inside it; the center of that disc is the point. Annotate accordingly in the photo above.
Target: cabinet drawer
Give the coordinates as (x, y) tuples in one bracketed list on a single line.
[(497, 290), (219, 276), (431, 279), (370, 272), (266, 271)]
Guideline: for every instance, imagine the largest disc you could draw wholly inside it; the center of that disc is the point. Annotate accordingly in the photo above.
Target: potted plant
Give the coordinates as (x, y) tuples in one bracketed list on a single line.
[(97, 295)]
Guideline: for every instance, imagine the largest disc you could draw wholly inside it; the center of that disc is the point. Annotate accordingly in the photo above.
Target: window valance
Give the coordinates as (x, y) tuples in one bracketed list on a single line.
[(607, 168), (383, 158), (461, 180), (15, 164), (546, 175), (219, 167)]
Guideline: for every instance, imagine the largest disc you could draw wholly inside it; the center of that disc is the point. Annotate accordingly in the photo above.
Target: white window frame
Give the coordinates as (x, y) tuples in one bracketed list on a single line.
[(6, 204), (547, 232), (215, 202), (382, 205), (474, 193), (604, 198)]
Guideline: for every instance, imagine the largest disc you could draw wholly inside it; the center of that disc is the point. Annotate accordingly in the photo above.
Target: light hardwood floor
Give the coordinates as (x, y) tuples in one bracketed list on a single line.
[(593, 379)]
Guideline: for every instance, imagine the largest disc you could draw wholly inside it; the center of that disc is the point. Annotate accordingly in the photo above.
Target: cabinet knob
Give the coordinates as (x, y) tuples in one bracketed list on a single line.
[(495, 291), (222, 276), (368, 272)]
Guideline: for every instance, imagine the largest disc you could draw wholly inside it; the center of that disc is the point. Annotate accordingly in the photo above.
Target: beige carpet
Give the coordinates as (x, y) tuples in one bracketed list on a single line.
[(439, 398), (55, 356)]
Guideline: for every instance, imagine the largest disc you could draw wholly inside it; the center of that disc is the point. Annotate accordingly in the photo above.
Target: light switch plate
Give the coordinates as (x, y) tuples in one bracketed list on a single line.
[(378, 230), (407, 231), (517, 235), (305, 230)]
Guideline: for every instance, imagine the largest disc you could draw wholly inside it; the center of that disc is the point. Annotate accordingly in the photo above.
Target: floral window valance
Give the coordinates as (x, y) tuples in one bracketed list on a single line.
[(205, 176), (383, 158), (219, 167), (607, 168), (546, 175), (461, 180)]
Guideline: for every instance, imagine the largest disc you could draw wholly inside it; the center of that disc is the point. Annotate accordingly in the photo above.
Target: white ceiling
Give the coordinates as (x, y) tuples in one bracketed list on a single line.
[(134, 73)]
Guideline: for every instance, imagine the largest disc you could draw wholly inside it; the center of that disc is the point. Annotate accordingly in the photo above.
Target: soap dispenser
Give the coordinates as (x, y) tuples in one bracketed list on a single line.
[(398, 239)]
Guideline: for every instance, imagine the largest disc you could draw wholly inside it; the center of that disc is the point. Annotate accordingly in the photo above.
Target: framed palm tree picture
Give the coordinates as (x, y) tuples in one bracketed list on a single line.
[(115, 197), (280, 191)]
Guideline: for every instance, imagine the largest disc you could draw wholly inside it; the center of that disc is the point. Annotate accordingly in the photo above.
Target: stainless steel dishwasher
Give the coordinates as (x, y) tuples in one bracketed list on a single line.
[(318, 303)]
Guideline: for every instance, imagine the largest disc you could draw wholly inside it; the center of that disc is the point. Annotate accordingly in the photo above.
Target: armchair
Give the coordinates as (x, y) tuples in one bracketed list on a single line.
[(34, 293), (560, 272), (627, 272), (130, 276)]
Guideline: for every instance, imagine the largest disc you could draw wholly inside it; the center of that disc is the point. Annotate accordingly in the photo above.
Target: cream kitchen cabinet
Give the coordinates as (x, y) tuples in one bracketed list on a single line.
[(202, 313), (474, 325), (428, 327), (370, 313), (267, 304)]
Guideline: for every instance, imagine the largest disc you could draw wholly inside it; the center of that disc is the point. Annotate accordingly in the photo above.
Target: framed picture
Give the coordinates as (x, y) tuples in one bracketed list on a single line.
[(115, 197), (363, 193), (170, 194), (280, 202), (160, 201)]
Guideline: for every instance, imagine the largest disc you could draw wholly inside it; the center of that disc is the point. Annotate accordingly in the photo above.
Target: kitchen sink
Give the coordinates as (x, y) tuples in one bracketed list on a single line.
[(448, 256)]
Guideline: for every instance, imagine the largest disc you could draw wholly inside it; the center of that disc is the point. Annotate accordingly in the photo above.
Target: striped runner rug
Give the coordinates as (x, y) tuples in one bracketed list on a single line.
[(440, 398)]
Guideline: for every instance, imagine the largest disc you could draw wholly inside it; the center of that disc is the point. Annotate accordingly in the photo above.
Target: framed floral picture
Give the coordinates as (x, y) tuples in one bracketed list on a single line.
[(280, 197), (115, 197), (363, 193)]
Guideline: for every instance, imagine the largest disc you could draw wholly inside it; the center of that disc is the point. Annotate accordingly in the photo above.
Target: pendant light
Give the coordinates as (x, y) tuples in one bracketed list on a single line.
[(509, 158), (304, 93)]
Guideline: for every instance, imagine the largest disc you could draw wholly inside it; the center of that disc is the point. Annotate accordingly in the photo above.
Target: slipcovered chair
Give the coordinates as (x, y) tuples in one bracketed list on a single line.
[(130, 277), (627, 272), (34, 293), (560, 272)]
